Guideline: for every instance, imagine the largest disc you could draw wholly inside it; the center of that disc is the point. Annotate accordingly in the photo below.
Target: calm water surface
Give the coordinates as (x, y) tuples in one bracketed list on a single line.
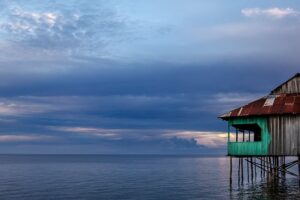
[(130, 177)]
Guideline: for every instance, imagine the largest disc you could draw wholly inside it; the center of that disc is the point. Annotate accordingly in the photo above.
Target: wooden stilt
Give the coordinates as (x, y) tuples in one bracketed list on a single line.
[(299, 168), (247, 170), (261, 164), (239, 169), (242, 170), (277, 164), (274, 163), (230, 175), (255, 167), (270, 164), (265, 166), (251, 169), (283, 165)]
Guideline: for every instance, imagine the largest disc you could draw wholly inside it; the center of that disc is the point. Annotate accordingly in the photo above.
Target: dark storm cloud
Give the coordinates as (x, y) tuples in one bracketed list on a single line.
[(151, 79), (142, 104), (156, 98), (136, 98)]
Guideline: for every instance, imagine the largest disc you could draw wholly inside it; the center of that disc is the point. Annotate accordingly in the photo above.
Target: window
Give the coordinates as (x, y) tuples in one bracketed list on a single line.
[(247, 133)]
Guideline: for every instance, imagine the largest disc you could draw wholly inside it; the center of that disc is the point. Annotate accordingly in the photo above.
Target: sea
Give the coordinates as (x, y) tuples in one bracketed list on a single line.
[(137, 177)]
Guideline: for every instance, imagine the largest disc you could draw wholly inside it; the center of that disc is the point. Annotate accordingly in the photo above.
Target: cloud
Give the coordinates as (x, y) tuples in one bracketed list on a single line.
[(24, 138), (19, 106), (71, 32), (270, 12), (29, 22), (205, 138), (98, 132), (209, 139), (236, 98)]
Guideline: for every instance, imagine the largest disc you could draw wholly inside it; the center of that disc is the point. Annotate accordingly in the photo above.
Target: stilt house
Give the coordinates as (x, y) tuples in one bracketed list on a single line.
[(269, 126)]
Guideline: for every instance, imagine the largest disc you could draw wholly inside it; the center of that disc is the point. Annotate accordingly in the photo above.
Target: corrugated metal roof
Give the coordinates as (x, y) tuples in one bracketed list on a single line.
[(269, 105)]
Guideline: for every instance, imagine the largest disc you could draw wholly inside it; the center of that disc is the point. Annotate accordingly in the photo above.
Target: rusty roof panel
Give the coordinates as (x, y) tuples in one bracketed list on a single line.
[(234, 112), (297, 99), (269, 105), (297, 108), (289, 100), (277, 108), (279, 100)]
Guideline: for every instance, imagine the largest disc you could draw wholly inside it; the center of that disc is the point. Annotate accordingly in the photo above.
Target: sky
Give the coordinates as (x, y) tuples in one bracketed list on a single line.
[(137, 77)]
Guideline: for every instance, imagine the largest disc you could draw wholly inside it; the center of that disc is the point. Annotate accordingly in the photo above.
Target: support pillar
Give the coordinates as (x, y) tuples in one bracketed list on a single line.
[(230, 178), (299, 169)]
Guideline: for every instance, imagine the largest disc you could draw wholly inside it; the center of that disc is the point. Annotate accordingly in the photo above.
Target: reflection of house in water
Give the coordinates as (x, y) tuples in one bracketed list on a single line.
[(266, 130)]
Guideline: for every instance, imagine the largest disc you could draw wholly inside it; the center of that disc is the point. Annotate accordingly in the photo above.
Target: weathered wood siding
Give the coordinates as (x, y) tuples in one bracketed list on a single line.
[(285, 135), (291, 86)]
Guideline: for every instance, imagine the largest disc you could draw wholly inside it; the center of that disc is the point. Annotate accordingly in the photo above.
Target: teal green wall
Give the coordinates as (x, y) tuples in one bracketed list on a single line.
[(250, 148)]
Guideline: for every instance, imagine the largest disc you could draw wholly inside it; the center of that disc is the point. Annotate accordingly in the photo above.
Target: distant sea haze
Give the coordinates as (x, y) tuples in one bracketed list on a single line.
[(115, 177)]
